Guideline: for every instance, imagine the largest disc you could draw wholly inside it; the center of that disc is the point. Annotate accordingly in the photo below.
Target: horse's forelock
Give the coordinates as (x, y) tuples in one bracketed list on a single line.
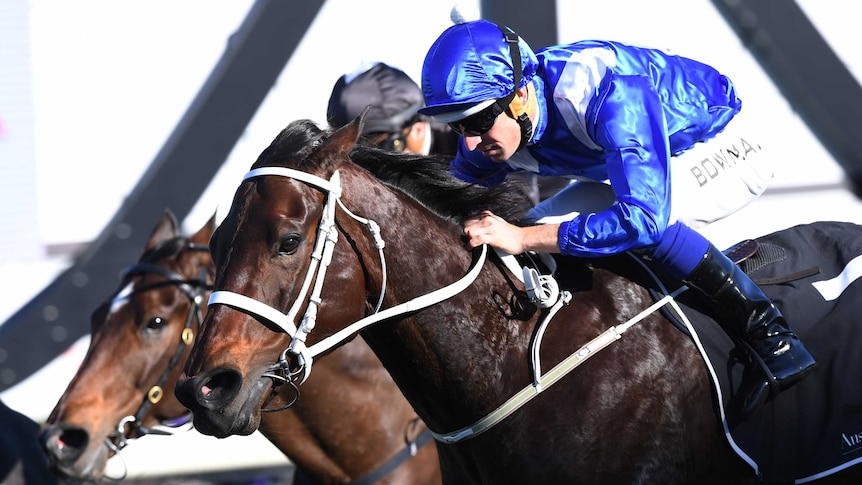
[(303, 145), (293, 146)]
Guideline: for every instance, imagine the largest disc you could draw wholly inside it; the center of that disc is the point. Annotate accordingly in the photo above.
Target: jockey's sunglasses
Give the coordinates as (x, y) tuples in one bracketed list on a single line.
[(480, 123)]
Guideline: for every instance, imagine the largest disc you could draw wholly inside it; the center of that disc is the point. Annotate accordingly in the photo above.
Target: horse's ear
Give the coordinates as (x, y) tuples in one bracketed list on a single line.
[(167, 228), (336, 148), (205, 233)]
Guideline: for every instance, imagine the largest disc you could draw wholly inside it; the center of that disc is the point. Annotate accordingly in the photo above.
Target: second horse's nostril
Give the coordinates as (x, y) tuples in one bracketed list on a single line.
[(65, 445), (74, 437)]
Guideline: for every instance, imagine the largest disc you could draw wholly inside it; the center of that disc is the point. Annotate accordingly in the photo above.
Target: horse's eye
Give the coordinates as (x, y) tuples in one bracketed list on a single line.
[(289, 244), (156, 323)]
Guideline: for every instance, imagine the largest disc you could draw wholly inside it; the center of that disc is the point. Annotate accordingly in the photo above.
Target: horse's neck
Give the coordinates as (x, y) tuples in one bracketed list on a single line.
[(287, 432), (449, 351), (349, 402), (461, 358)]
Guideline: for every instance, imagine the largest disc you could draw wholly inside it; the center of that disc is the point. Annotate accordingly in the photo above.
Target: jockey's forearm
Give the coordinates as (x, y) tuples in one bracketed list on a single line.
[(541, 238)]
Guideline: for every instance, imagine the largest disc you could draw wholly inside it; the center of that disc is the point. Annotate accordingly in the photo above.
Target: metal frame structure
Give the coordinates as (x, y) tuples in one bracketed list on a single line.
[(809, 74), (779, 34), (253, 59)]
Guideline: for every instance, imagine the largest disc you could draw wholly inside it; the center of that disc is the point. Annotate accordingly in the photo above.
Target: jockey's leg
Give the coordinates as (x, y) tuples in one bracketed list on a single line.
[(744, 311)]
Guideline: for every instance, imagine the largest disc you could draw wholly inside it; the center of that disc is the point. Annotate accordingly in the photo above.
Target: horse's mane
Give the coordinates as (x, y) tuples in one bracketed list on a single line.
[(424, 178), (427, 179)]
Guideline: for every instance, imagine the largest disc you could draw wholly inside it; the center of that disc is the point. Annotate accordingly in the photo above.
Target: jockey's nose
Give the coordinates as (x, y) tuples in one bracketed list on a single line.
[(472, 141)]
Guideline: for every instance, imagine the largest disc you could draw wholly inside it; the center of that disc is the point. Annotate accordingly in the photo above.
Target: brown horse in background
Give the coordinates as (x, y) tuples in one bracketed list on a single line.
[(639, 411), (141, 335)]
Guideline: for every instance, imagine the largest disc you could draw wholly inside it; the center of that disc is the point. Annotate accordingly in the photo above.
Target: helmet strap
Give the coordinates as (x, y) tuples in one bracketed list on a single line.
[(518, 111), (515, 53)]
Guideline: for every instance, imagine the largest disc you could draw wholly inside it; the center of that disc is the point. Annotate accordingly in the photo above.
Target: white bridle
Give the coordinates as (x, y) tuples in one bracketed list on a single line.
[(327, 236)]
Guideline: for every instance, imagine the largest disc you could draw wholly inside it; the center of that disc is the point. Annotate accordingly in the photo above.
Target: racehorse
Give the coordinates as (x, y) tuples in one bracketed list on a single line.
[(361, 431), (321, 227)]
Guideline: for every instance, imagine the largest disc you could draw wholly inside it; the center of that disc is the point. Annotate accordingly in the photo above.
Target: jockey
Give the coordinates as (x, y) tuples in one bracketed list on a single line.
[(611, 117), (392, 122)]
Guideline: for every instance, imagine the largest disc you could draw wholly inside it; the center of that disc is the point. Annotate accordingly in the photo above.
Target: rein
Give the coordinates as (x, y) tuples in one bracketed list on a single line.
[(410, 449), (195, 290)]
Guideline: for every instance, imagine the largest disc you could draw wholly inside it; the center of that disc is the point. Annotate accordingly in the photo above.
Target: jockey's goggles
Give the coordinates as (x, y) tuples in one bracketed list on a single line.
[(395, 142), (480, 123)]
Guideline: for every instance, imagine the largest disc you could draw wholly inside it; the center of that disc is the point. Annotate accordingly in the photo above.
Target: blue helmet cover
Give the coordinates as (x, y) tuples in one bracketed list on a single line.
[(468, 64)]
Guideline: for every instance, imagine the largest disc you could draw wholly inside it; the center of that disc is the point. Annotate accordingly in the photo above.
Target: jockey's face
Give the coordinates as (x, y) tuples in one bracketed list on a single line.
[(419, 138), (500, 142)]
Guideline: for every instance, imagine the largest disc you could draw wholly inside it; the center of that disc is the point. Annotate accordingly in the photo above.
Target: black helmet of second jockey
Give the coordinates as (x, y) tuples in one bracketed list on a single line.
[(475, 67), (392, 97)]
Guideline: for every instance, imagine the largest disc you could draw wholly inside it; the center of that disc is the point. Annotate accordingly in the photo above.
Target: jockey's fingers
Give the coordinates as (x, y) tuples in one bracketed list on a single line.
[(488, 218), (474, 225), (488, 215), (471, 242), (478, 217)]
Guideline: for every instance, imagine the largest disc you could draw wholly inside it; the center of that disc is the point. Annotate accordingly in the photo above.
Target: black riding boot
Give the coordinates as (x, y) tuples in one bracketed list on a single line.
[(752, 319)]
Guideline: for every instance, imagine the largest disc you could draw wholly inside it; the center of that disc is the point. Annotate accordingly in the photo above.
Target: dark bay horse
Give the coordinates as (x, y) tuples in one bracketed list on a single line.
[(639, 411), (141, 335)]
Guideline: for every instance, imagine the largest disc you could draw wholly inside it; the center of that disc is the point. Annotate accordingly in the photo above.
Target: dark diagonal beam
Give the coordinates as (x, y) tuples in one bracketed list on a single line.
[(253, 59)]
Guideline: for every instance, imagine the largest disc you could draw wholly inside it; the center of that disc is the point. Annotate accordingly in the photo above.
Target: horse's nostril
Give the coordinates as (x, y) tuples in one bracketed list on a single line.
[(65, 444), (75, 438), (222, 386), (212, 390)]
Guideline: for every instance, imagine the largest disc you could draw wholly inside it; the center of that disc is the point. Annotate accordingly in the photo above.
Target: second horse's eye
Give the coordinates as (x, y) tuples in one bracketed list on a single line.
[(289, 244), (156, 323)]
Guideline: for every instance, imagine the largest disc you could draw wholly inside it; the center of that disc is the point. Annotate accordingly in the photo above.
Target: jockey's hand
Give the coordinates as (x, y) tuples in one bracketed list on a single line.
[(490, 229)]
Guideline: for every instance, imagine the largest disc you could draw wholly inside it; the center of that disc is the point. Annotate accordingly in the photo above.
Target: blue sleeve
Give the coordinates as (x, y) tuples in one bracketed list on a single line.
[(627, 120), (475, 168)]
